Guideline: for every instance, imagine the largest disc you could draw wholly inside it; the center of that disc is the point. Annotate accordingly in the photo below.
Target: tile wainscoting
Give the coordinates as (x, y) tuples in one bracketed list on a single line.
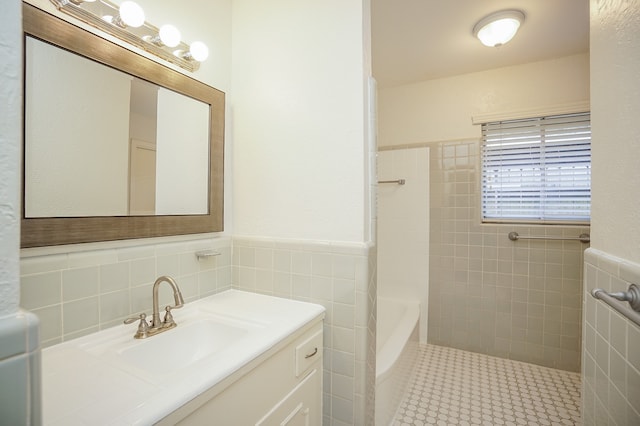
[(342, 278), (611, 350), (80, 292)]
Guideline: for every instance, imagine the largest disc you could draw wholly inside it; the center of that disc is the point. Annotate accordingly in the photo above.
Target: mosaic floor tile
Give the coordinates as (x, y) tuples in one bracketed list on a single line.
[(454, 387)]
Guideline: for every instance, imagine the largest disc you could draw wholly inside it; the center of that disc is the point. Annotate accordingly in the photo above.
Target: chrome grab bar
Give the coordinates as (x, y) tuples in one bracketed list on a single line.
[(583, 238), (616, 301), (398, 181)]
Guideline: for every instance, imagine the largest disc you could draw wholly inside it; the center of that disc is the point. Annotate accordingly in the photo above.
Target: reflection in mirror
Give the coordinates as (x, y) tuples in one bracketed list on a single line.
[(100, 142), (137, 152)]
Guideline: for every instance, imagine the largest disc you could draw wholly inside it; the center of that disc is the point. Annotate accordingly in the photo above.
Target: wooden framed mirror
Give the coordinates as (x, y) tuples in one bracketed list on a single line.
[(72, 190)]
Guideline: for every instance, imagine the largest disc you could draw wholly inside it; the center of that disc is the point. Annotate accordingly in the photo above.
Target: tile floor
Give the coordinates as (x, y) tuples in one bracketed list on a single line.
[(455, 387)]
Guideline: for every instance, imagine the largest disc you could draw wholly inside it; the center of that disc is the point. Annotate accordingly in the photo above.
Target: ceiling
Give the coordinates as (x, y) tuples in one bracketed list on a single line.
[(416, 40)]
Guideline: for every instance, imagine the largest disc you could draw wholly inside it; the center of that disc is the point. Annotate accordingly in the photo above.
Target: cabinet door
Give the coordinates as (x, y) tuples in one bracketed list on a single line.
[(301, 407)]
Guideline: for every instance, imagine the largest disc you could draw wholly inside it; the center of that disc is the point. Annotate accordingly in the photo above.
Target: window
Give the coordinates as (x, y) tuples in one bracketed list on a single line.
[(537, 170)]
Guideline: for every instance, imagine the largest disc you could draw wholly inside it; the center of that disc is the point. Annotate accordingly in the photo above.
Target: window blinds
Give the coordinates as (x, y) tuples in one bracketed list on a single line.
[(537, 169)]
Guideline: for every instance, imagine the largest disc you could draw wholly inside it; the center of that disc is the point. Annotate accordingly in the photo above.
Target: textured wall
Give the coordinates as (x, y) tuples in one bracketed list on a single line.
[(615, 92), (10, 137), (611, 371)]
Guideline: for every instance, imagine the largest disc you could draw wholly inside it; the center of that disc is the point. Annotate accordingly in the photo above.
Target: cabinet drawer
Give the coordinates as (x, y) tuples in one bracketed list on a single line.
[(308, 352)]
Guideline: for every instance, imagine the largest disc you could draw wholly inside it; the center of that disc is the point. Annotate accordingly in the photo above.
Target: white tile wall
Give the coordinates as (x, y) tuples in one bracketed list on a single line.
[(341, 277), (79, 292), (611, 349)]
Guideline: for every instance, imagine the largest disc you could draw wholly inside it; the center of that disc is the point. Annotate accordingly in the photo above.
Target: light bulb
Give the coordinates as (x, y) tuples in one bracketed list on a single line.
[(199, 51), (169, 35), (131, 14)]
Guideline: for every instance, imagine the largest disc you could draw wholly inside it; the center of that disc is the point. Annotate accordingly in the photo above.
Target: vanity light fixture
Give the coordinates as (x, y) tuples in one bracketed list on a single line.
[(127, 22), (498, 28), (130, 14), (168, 35), (198, 52)]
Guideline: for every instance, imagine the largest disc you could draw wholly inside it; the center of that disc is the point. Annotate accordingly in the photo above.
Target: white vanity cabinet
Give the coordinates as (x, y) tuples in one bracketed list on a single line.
[(235, 359), (281, 387)]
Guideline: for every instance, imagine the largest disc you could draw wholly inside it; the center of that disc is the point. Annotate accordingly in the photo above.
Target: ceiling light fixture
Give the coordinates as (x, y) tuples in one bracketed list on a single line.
[(498, 28), (127, 22)]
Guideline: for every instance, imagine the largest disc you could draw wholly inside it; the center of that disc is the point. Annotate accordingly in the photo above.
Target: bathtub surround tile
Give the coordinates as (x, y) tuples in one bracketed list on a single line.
[(611, 370), (342, 278), (75, 294), (526, 281)]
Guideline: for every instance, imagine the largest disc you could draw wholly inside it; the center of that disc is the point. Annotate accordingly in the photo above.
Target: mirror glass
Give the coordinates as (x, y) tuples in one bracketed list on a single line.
[(116, 146), (101, 142)]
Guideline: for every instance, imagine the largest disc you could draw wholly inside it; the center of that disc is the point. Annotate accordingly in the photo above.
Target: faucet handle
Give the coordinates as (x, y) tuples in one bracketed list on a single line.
[(143, 326), (168, 316)]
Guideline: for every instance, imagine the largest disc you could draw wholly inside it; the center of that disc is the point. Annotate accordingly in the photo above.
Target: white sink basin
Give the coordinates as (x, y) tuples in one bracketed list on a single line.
[(181, 346), (198, 335)]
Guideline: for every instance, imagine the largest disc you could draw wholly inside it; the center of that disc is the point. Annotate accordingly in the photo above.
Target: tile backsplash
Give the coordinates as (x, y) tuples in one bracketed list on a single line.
[(78, 293)]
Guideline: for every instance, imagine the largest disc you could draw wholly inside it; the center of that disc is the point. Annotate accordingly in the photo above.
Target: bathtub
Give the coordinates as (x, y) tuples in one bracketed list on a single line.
[(396, 352)]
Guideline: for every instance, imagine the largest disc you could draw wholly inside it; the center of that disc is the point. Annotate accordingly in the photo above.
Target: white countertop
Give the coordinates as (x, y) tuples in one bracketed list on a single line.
[(83, 385)]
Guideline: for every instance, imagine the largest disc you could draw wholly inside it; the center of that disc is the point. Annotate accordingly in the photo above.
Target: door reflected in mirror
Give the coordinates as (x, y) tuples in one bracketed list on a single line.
[(101, 142)]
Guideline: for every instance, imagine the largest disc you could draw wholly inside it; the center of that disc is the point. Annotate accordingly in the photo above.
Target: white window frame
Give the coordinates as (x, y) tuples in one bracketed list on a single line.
[(550, 157)]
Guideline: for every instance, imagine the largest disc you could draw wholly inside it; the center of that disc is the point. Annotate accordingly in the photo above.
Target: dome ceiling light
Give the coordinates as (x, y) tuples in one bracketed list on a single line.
[(498, 28)]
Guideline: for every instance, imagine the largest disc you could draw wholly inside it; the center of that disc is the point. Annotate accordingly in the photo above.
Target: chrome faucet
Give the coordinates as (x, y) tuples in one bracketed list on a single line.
[(145, 329)]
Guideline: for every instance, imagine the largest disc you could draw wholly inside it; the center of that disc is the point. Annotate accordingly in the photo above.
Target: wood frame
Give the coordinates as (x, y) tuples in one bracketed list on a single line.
[(36, 232)]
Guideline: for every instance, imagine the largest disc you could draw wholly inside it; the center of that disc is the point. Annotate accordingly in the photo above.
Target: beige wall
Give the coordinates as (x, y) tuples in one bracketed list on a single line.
[(441, 109)]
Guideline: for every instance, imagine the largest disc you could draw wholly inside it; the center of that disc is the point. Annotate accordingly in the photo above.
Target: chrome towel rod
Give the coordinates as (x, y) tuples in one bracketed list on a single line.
[(616, 301), (583, 238), (398, 181)]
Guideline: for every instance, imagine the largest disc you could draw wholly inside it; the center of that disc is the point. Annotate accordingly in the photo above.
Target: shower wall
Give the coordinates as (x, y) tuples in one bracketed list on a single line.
[(403, 227), (519, 300)]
